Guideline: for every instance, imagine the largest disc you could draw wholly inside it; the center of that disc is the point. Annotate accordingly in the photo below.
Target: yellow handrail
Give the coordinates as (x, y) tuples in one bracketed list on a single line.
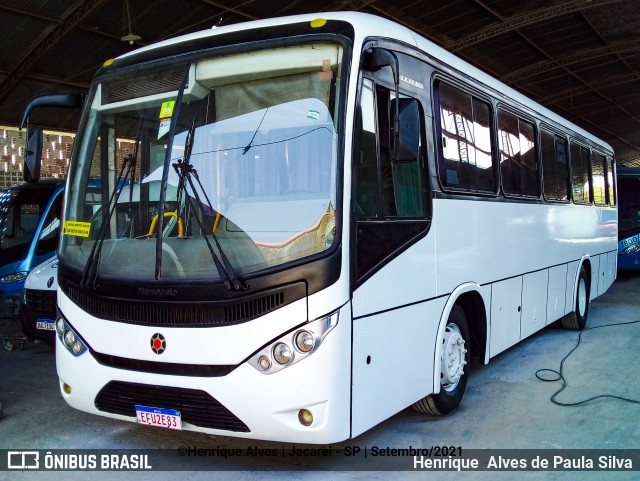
[(154, 221)]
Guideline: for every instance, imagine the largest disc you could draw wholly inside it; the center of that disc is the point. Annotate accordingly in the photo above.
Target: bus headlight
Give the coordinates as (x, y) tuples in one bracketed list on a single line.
[(282, 353), (14, 277), (294, 346), (305, 341), (70, 339)]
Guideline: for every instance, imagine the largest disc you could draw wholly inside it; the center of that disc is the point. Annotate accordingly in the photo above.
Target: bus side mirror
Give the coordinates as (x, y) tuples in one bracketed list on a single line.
[(408, 138), (33, 147), (33, 155)]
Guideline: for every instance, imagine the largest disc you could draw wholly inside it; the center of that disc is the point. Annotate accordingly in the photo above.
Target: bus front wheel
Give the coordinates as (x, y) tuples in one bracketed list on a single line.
[(454, 360), (577, 319)]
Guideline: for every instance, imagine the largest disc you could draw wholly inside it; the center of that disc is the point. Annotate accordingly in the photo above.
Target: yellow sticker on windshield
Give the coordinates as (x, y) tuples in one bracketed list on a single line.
[(78, 229), (166, 110)]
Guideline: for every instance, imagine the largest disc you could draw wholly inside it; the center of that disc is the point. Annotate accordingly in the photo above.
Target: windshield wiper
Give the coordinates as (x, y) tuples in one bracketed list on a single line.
[(186, 172), (90, 273)]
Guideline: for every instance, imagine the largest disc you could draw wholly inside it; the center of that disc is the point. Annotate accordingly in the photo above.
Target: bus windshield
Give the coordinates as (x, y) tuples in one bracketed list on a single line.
[(230, 160), (20, 211)]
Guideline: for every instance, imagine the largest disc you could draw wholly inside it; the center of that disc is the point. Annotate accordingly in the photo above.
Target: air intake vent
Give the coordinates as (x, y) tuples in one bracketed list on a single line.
[(186, 314), (196, 407), (121, 90)]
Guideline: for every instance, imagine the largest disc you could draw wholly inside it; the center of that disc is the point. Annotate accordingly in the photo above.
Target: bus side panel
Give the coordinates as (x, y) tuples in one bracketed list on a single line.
[(485, 242), (572, 273), (392, 361), (534, 302), (595, 275), (506, 301), (556, 293), (408, 278), (612, 267)]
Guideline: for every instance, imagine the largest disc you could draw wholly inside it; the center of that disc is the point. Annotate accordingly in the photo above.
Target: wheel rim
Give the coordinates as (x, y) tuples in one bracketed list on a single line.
[(582, 297), (453, 357)]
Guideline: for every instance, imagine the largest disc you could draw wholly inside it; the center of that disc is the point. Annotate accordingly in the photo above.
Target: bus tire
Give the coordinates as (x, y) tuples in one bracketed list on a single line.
[(577, 319), (453, 375)]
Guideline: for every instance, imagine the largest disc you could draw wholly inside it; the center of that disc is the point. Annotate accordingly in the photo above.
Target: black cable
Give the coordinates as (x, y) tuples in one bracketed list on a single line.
[(560, 375)]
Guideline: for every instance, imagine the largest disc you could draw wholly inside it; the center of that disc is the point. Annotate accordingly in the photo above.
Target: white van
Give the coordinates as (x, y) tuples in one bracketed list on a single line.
[(38, 306)]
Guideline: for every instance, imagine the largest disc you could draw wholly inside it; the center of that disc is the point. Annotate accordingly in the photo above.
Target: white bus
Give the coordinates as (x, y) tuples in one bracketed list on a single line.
[(311, 223)]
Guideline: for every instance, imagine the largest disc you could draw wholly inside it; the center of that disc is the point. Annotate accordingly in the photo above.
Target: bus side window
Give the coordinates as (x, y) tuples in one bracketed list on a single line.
[(28, 222), (611, 190), (598, 170), (555, 169), (389, 196), (50, 233), (465, 159), (384, 188), (366, 193), (517, 155), (580, 174)]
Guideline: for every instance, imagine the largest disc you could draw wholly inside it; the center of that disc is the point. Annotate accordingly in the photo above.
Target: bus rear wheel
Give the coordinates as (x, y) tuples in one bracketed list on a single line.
[(454, 358), (577, 319)]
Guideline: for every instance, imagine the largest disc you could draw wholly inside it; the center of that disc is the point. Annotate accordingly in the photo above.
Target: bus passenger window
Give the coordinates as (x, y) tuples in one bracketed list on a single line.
[(580, 178), (465, 158), (518, 164), (599, 180), (555, 168), (611, 191)]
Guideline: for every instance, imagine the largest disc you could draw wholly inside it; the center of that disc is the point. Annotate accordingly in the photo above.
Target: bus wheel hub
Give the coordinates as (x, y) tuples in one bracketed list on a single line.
[(453, 357)]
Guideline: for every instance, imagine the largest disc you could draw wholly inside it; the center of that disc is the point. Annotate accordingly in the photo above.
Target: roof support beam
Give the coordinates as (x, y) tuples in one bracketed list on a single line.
[(36, 54), (519, 21)]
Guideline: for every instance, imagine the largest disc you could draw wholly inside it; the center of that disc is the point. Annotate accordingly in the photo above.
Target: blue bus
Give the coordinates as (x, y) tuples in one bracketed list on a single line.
[(30, 211), (29, 233), (628, 218)]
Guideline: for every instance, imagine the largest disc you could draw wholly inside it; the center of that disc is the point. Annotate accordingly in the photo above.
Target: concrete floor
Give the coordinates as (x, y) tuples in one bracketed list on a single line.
[(505, 406)]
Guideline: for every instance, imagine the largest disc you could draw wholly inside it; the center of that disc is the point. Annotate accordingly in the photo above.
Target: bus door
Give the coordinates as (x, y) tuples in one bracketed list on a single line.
[(393, 269)]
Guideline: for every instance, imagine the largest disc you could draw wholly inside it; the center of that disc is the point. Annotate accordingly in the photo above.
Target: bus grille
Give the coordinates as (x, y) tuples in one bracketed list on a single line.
[(9, 306), (41, 302), (166, 314), (196, 407)]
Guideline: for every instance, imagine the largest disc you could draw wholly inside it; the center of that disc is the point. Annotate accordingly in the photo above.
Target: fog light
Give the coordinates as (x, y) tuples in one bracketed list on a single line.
[(264, 363), (66, 388), (282, 353), (69, 338), (60, 325), (305, 341), (305, 417)]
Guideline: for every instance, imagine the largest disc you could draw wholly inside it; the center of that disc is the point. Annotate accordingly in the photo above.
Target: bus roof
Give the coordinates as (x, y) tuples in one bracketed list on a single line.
[(49, 183), (367, 25)]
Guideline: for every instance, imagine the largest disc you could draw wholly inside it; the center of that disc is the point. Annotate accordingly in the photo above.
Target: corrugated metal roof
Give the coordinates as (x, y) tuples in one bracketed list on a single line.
[(579, 58)]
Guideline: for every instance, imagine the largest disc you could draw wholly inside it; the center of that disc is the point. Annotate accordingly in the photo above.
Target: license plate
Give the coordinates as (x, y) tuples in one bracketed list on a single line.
[(163, 418), (45, 325)]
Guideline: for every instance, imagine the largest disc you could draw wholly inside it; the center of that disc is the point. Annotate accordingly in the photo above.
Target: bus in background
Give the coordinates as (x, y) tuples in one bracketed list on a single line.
[(38, 303), (343, 219), (29, 232), (628, 218), (30, 215)]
